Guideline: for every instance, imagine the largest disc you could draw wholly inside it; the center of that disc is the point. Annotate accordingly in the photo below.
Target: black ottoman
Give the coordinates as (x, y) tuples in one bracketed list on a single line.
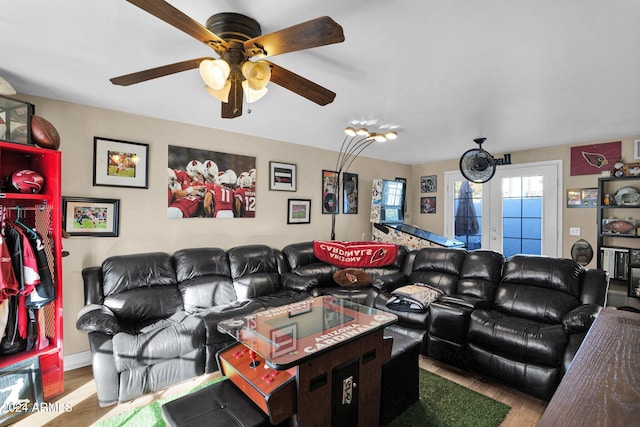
[(400, 377), (220, 404)]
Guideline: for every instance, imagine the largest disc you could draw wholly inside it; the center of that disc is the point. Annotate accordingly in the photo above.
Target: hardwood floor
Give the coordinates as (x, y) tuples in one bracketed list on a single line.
[(82, 409)]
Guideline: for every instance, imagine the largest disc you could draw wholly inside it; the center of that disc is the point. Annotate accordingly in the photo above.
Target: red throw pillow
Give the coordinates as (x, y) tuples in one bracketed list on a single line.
[(352, 278)]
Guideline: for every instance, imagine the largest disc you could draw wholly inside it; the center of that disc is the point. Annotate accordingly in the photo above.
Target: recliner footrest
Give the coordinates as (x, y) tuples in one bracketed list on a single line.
[(220, 404)]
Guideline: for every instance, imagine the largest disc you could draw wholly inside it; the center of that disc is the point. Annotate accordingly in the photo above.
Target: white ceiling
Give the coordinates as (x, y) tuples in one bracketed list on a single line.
[(522, 73)]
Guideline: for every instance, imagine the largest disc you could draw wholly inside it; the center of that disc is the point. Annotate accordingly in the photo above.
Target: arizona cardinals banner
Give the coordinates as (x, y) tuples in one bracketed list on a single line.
[(355, 254)]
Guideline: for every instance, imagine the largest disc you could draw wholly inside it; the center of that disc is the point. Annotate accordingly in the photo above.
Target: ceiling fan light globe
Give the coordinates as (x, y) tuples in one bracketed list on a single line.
[(215, 73), (379, 137), (350, 131), (251, 94), (220, 94), (391, 135), (258, 74), (362, 132)]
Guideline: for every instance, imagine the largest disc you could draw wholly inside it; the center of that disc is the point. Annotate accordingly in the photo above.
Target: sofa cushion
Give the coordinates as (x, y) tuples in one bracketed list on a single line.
[(533, 302), (439, 267), (125, 272), (480, 274), (166, 339), (204, 278), (145, 305), (560, 274), (517, 338), (255, 270)]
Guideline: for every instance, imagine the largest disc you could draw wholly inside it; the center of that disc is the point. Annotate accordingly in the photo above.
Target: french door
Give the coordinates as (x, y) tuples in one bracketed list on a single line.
[(518, 211)]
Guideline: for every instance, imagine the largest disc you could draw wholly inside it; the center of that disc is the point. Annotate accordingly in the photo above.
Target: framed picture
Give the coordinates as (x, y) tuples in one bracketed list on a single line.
[(428, 184), (194, 168), (282, 176), (299, 211), (427, 205), (636, 149), (349, 193), (582, 197), (120, 163), (329, 193), (84, 216)]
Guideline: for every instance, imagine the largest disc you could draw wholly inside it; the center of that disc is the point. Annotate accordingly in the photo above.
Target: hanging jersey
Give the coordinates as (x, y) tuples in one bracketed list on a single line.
[(45, 292), (8, 284)]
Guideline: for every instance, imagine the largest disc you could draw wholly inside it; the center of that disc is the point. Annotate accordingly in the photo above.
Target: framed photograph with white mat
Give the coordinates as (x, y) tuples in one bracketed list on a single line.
[(120, 163)]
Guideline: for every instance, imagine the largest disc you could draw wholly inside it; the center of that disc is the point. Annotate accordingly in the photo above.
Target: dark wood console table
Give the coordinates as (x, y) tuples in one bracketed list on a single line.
[(602, 386)]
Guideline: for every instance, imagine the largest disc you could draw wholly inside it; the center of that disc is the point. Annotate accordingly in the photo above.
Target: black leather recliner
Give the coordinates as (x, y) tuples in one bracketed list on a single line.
[(541, 308)]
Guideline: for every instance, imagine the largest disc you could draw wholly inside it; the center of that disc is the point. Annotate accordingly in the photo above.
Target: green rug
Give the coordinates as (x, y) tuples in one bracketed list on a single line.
[(443, 403), (149, 415)]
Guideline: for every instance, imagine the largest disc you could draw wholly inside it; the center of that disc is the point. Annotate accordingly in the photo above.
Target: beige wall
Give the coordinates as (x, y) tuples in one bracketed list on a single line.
[(143, 223), (144, 226), (585, 219)]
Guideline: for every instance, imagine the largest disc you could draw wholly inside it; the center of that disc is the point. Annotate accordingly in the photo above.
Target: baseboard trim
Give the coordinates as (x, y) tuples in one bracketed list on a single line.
[(77, 360)]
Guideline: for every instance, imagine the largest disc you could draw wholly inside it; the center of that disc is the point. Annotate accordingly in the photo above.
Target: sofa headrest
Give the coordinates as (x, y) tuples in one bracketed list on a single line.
[(126, 272), (299, 254), (197, 262), (561, 274), (251, 259)]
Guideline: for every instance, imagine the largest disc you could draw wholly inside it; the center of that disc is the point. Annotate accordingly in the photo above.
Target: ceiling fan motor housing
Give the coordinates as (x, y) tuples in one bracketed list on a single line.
[(233, 27)]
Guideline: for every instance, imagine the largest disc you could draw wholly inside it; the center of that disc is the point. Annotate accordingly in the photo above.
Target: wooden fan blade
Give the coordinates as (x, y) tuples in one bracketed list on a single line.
[(153, 73), (172, 16), (317, 32), (233, 108), (298, 84)]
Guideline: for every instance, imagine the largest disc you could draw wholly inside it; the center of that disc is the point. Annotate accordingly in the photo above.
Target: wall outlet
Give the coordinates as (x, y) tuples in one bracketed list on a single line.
[(574, 231)]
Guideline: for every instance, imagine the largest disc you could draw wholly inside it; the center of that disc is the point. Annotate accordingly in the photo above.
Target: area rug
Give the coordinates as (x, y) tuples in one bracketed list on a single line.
[(443, 403), (149, 415)]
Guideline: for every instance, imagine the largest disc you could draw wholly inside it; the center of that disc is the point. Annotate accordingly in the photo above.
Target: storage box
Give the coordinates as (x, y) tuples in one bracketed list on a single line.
[(15, 120)]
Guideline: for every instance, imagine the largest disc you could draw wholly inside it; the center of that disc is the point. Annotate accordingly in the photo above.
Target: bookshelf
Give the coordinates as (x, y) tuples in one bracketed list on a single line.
[(618, 245)]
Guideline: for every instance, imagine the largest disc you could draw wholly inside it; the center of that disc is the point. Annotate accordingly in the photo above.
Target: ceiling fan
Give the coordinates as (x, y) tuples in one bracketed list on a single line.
[(477, 165), (237, 39)]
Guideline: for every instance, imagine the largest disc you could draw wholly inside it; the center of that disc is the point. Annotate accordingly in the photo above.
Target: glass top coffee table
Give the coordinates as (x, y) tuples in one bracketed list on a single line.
[(286, 336)]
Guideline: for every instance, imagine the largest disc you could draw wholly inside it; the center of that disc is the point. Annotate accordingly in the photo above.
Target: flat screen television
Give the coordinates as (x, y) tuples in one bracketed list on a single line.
[(392, 204)]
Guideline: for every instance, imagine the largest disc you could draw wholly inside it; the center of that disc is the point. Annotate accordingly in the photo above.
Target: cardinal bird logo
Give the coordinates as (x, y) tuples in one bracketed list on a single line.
[(595, 159), (352, 278), (378, 255)]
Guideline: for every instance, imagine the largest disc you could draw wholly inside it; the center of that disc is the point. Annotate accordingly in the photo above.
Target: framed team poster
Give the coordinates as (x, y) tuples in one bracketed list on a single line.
[(329, 192), (120, 163), (282, 176), (349, 193), (85, 216), (210, 184)]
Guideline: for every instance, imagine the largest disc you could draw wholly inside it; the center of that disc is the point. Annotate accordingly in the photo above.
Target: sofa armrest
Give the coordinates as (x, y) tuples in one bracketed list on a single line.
[(389, 282), (97, 318), (580, 318), (298, 283), (465, 301)]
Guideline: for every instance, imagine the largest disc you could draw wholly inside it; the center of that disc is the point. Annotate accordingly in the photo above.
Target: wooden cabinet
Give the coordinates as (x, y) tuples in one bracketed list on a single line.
[(42, 213), (619, 233)]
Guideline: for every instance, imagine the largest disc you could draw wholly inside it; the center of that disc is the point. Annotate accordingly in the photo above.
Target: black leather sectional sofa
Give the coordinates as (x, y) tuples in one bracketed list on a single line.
[(152, 318)]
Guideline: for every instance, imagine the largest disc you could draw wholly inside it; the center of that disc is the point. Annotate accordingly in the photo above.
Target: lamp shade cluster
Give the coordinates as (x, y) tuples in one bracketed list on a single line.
[(217, 75)]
